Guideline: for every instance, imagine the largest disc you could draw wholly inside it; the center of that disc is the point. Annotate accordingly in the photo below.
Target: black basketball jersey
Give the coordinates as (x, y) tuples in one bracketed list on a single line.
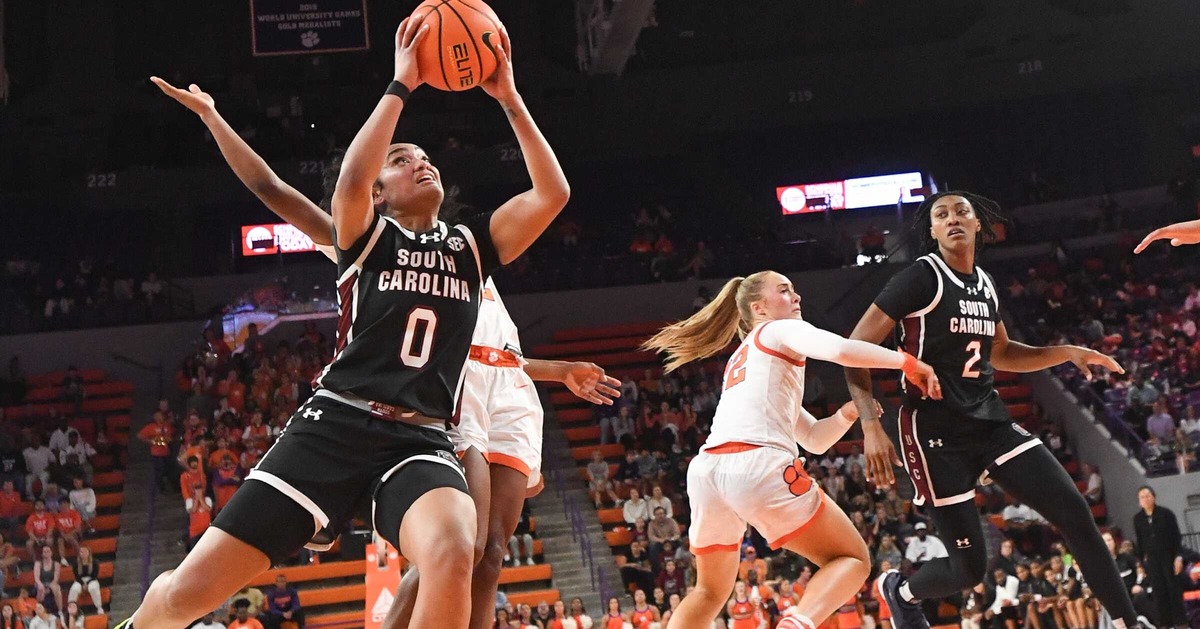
[(407, 306), (949, 321)]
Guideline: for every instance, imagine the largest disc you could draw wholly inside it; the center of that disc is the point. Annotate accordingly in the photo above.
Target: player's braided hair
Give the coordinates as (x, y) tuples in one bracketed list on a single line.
[(986, 210)]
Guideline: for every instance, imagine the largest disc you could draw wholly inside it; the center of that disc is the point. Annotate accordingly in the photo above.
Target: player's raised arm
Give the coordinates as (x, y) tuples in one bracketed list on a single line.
[(251, 169), (353, 198), (1185, 233), (522, 219)]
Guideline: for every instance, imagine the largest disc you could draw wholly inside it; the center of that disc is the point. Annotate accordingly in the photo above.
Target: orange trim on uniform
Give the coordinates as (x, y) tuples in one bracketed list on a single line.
[(732, 447), (494, 357), (508, 460), (705, 550), (770, 352), (488, 294), (775, 545)]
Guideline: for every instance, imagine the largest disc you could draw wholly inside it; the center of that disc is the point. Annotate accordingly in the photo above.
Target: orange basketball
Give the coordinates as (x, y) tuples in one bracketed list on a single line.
[(458, 53)]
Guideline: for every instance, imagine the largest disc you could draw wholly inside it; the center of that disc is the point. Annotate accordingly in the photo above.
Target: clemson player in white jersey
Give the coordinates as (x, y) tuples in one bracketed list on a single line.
[(500, 416), (748, 470)]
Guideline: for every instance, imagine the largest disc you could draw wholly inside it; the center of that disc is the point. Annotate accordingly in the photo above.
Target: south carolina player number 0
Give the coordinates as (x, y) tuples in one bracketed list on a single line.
[(418, 317)]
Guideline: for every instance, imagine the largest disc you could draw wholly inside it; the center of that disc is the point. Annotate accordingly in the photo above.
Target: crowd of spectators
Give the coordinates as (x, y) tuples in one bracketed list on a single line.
[(47, 463), (1142, 310)]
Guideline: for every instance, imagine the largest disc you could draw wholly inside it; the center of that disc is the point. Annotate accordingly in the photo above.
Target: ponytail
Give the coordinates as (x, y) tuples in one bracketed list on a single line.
[(710, 330)]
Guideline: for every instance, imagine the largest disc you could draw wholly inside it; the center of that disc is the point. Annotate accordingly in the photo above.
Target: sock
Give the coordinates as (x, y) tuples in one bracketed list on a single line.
[(796, 621), (906, 594), (1119, 623)]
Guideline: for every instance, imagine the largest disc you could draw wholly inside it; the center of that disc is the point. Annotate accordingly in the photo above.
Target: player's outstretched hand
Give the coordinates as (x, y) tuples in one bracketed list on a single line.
[(924, 378), (195, 99), (589, 382), (501, 85), (409, 36), (1085, 358), (880, 454), (1185, 233)]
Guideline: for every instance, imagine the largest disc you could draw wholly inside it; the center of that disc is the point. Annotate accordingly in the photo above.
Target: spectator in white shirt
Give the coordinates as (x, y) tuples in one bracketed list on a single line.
[(856, 457), (1023, 523), (657, 500), (636, 508), (1003, 609), (1095, 485), (82, 450), (58, 438), (152, 287), (924, 546), (83, 500), (613, 427), (37, 463), (1191, 425), (1193, 299)]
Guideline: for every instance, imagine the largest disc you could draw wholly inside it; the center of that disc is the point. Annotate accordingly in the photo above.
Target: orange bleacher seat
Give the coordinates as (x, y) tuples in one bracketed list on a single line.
[(108, 479), (107, 404), (645, 328), (1099, 512), (317, 572), (565, 398), (110, 499), (55, 378), (574, 415), (107, 523), (119, 422), (532, 598), (1019, 411), (95, 621), (619, 537), (332, 595), (1015, 392), (619, 359), (66, 576), (337, 620), (1005, 377), (611, 516), (525, 574), (608, 451), (997, 521), (590, 433)]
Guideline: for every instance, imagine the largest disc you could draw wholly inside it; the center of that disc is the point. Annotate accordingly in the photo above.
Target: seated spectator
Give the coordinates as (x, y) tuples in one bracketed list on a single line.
[(83, 500), (672, 579), (1185, 451), (636, 571), (636, 508), (598, 480), (45, 577), (87, 577), (1094, 493), (973, 605), (615, 427), (39, 527), (68, 528), (10, 507), (658, 500), (1160, 424), (43, 619), (1005, 600), (52, 497), (208, 622), (9, 619), (58, 438), (74, 617), (521, 534), (888, 551), (924, 546), (1024, 525), (244, 619), (1007, 559), (283, 604), (751, 561), (660, 530), (37, 463), (1190, 424)]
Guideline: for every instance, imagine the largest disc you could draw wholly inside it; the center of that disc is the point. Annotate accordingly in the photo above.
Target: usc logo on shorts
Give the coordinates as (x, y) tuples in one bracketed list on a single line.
[(798, 480)]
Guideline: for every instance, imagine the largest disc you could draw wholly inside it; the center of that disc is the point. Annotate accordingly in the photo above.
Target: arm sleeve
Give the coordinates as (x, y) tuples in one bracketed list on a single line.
[(908, 291), (817, 436), (803, 338), (480, 228)]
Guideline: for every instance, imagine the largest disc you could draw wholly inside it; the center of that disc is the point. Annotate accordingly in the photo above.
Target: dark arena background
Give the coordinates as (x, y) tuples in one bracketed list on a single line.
[(152, 309)]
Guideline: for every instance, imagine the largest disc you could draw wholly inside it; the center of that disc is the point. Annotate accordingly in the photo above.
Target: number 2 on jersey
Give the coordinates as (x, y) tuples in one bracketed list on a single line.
[(416, 317), (736, 371), (969, 370)]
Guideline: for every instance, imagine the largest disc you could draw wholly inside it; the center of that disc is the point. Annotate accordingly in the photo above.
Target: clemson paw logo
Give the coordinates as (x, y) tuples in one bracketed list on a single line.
[(798, 480), (310, 39)]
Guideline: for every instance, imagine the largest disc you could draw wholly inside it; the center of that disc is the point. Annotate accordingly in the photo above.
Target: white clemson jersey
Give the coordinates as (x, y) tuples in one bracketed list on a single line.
[(495, 328), (762, 392)]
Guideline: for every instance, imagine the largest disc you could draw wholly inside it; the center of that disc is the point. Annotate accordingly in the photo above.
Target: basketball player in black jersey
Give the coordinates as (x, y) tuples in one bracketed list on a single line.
[(408, 295), (949, 312)]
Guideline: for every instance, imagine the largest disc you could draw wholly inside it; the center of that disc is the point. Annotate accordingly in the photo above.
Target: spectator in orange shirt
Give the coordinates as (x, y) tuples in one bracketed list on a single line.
[(10, 507), (9, 619), (254, 450), (40, 528), (159, 434), (199, 508), (257, 429), (69, 527), (217, 459), (226, 480), (243, 620), (751, 562), (192, 479)]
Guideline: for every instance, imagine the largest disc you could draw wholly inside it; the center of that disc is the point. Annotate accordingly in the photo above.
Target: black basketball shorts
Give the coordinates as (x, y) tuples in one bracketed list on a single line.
[(333, 456), (946, 454)]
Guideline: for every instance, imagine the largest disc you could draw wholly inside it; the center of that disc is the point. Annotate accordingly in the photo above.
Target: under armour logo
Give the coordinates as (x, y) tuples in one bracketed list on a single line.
[(963, 543), (935, 443), (313, 414), (435, 236), (972, 291)]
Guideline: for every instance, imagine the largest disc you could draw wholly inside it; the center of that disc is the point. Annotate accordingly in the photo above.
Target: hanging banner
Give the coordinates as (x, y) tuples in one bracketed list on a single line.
[(290, 27), (383, 577)]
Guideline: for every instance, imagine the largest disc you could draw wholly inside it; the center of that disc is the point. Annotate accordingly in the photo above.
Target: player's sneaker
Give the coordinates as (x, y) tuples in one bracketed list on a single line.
[(905, 615), (1144, 623), (125, 624)]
